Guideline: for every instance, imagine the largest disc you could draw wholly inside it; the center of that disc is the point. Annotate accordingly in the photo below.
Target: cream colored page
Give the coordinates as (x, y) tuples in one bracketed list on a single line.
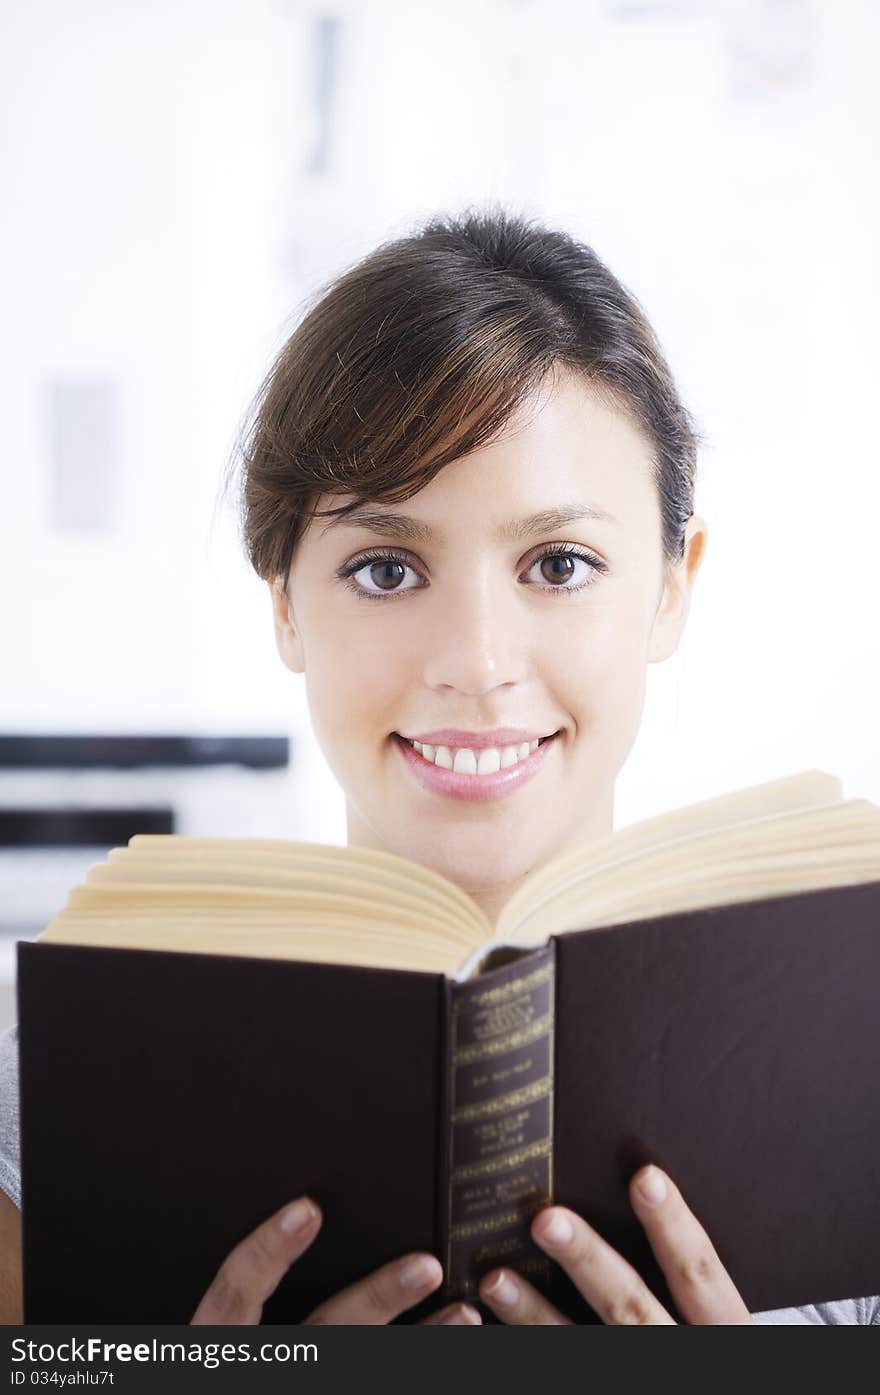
[(299, 905), (200, 869), (809, 789), (834, 845), (324, 940), (368, 860)]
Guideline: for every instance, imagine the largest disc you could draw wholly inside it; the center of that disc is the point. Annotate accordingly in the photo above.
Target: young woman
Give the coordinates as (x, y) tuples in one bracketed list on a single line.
[(468, 484)]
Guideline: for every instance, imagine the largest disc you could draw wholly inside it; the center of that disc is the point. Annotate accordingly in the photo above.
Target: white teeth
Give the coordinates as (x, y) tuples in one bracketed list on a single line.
[(466, 761), (489, 761)]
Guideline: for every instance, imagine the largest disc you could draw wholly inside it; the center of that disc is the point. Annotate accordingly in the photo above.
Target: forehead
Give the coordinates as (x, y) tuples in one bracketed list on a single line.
[(567, 452)]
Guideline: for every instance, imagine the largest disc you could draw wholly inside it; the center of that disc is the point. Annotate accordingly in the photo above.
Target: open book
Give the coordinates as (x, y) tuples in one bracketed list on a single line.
[(281, 899), (699, 989)]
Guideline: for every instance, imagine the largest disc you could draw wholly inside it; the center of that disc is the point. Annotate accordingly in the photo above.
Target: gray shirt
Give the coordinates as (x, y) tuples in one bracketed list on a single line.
[(847, 1311)]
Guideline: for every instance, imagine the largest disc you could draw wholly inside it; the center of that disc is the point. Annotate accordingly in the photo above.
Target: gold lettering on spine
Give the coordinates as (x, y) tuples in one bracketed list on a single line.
[(513, 989), (501, 1119), (469, 1171), (483, 1050), (535, 1091)]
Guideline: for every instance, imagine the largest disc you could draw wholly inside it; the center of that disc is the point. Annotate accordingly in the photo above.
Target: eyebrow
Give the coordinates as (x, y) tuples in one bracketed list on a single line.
[(401, 525)]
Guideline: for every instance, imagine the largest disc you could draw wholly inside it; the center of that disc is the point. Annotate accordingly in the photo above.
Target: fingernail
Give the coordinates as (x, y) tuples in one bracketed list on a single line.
[(298, 1216), (558, 1229), (652, 1187), (502, 1291), (463, 1316), (420, 1272)]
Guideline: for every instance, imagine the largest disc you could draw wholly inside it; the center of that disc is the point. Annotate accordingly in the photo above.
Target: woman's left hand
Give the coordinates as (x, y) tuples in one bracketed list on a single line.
[(698, 1281)]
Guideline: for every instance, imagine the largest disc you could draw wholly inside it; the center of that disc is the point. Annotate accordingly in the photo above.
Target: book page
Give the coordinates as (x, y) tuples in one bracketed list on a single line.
[(809, 789), (835, 845)]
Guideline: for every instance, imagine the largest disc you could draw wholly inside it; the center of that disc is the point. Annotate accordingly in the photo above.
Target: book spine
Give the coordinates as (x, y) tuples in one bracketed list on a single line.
[(497, 1121)]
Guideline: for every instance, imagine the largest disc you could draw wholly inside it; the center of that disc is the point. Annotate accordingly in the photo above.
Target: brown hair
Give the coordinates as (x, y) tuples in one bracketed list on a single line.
[(420, 353)]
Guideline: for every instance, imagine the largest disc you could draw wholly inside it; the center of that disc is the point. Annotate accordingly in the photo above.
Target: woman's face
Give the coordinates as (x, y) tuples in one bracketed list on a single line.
[(463, 621)]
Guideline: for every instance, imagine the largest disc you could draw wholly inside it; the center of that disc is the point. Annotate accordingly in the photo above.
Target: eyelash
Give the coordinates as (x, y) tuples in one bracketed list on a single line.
[(346, 573)]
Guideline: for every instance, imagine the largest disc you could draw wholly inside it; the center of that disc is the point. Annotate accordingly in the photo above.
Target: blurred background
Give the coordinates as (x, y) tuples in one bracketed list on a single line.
[(178, 178)]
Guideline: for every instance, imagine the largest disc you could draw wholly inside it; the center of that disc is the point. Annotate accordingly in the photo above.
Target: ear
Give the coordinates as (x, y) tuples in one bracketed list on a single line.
[(675, 599), (287, 636)]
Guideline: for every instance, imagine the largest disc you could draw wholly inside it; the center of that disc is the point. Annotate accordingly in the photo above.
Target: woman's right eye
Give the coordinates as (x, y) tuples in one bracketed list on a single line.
[(378, 576)]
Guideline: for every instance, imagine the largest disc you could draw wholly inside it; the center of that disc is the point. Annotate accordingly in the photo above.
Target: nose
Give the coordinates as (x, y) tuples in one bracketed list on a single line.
[(476, 640)]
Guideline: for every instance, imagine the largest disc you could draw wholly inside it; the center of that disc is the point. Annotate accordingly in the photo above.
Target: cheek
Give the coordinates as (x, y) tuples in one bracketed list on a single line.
[(356, 686), (604, 670)]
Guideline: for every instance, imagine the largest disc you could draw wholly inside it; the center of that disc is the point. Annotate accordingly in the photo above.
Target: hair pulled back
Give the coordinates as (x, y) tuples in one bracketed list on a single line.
[(421, 352)]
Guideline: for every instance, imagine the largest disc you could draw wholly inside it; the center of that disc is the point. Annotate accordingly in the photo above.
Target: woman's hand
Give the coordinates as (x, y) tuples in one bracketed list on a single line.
[(699, 1283), (252, 1271)]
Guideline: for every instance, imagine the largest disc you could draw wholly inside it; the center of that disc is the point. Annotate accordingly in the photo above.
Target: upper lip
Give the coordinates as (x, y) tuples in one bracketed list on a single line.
[(477, 740)]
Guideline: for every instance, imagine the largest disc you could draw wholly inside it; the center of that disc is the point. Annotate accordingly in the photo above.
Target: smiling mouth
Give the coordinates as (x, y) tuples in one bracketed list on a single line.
[(464, 760)]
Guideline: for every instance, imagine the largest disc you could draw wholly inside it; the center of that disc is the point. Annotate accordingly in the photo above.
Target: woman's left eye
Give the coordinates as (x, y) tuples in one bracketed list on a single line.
[(557, 566)]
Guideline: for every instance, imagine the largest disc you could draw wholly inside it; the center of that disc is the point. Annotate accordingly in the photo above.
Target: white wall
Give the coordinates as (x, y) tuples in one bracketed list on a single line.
[(162, 222)]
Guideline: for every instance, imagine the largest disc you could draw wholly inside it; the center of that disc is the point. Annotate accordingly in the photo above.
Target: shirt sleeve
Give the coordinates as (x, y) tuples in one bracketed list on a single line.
[(10, 1164), (845, 1312)]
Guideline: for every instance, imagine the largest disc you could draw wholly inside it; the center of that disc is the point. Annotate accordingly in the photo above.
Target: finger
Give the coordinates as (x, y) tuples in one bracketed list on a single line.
[(253, 1270), (513, 1299), (702, 1288), (459, 1314), (610, 1285), (381, 1295)]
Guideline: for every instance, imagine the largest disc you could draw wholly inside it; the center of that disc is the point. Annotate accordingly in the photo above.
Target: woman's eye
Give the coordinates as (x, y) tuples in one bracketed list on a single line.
[(566, 570), (378, 576)]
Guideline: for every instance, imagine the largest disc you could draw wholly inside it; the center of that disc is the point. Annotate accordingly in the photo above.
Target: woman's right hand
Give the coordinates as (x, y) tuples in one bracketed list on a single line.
[(252, 1271)]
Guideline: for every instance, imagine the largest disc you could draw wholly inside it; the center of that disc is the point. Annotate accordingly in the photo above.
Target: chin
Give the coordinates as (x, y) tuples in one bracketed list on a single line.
[(480, 859)]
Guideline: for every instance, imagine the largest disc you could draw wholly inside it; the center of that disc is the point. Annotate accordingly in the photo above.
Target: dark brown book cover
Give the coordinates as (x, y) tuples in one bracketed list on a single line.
[(170, 1102)]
